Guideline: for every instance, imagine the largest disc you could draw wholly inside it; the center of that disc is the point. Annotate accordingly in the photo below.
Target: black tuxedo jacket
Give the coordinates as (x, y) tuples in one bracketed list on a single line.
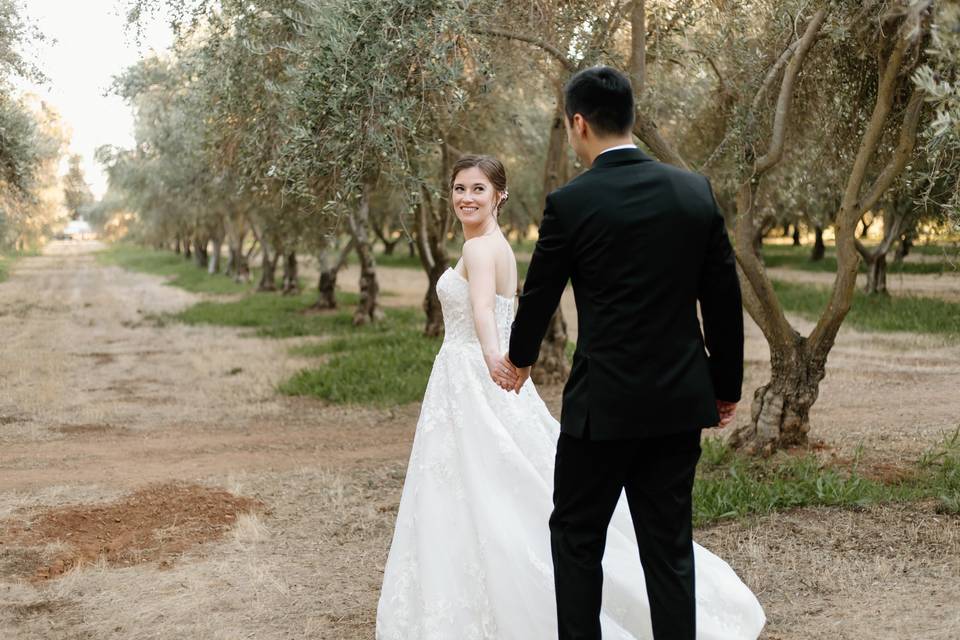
[(642, 242)]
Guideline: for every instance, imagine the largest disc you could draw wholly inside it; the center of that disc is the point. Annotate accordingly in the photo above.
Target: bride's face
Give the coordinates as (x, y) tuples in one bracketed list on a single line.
[(473, 196)]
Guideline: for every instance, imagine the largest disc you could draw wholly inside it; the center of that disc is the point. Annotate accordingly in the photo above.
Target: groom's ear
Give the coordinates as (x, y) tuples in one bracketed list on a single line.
[(580, 124)]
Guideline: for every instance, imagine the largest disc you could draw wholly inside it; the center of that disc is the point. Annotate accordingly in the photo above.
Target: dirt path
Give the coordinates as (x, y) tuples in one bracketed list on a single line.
[(97, 400)]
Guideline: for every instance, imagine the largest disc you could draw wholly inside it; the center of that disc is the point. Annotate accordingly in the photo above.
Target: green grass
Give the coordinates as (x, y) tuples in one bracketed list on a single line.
[(730, 485), (790, 257), (875, 313), (382, 364), (378, 364), (7, 258), (272, 315), (183, 273), (949, 249)]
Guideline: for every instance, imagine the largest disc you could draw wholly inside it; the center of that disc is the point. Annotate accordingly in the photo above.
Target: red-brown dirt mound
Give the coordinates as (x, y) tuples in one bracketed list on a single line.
[(157, 523)]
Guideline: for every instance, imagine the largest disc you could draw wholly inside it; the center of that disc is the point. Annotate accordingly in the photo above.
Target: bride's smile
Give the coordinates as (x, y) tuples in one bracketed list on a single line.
[(473, 196)]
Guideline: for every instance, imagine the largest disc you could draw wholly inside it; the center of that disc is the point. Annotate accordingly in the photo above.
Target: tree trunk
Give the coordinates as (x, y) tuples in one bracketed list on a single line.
[(903, 249), (780, 413), (327, 285), (187, 251), (796, 235), (213, 263), (433, 220), (232, 261), (176, 245), (200, 252), (291, 280), (877, 274), (431, 302), (368, 307), (269, 268), (239, 262), (552, 366), (819, 249), (330, 259)]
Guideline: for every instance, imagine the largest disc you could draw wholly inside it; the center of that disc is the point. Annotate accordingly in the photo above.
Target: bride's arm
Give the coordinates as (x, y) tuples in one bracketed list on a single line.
[(482, 276)]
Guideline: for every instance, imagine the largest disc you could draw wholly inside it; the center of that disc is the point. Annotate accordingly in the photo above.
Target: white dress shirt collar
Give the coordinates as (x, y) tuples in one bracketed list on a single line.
[(619, 146)]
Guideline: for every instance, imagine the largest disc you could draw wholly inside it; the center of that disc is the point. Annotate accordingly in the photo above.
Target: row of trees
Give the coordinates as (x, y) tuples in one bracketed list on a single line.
[(293, 126), (32, 141)]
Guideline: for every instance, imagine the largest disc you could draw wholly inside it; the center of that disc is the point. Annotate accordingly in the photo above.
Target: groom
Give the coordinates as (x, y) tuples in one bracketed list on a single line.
[(642, 242)]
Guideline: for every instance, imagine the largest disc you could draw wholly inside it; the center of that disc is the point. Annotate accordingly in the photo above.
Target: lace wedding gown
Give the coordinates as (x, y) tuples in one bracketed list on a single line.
[(471, 558)]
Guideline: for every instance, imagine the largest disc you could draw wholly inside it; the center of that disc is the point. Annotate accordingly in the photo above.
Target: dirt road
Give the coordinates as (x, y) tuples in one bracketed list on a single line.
[(98, 400)]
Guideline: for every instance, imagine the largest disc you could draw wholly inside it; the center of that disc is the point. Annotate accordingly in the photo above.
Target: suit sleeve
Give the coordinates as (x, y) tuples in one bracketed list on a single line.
[(722, 310), (547, 276)]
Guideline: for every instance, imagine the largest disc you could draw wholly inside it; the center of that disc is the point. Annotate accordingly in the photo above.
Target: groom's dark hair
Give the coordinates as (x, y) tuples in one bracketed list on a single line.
[(604, 97)]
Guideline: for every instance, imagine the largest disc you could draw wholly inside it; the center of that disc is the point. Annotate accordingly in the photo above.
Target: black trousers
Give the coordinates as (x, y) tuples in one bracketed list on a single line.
[(657, 474)]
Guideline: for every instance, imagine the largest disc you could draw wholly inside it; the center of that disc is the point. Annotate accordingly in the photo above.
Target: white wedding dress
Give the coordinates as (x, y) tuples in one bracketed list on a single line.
[(471, 558)]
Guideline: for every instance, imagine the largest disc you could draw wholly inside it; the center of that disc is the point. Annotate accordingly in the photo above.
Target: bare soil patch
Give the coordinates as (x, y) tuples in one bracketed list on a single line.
[(154, 524)]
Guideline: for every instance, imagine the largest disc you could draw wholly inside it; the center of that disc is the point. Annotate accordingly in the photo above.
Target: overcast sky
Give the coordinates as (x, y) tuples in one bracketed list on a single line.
[(86, 46)]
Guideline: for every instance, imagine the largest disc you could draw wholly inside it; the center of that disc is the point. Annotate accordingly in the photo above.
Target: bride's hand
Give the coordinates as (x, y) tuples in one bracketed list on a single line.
[(501, 371)]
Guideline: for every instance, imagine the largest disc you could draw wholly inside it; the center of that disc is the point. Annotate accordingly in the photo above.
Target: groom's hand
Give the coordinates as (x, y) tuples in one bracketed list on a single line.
[(522, 374), (727, 411)]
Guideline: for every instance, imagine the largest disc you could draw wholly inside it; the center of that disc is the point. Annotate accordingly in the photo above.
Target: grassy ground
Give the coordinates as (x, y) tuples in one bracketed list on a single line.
[(7, 259), (381, 364), (731, 486), (183, 273), (779, 255), (876, 313)]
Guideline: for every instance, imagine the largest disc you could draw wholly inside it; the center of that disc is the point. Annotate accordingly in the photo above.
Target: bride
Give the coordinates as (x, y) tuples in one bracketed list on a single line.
[(470, 557)]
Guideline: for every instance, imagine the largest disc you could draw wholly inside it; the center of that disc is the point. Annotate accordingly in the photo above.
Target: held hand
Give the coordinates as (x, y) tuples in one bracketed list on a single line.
[(727, 411), (522, 374), (501, 371)]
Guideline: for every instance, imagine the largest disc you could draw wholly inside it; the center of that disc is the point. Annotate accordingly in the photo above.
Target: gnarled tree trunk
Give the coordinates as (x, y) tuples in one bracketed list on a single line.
[(780, 413), (268, 265), (213, 261), (368, 307), (877, 275), (200, 251), (819, 249), (291, 280), (330, 260)]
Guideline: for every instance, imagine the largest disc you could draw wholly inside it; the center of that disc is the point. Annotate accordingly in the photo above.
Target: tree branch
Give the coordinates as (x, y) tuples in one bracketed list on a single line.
[(901, 155), (567, 63), (647, 130), (785, 99), (874, 132), (772, 75), (644, 127), (824, 333)]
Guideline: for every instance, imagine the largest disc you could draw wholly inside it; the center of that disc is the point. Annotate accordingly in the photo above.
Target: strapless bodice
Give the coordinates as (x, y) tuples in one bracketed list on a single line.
[(454, 293)]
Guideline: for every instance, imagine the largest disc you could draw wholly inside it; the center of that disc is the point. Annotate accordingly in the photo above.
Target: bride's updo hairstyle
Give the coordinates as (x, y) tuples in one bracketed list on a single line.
[(491, 168)]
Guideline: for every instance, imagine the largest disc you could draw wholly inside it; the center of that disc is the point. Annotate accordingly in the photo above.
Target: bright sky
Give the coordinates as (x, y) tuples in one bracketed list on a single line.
[(87, 44)]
